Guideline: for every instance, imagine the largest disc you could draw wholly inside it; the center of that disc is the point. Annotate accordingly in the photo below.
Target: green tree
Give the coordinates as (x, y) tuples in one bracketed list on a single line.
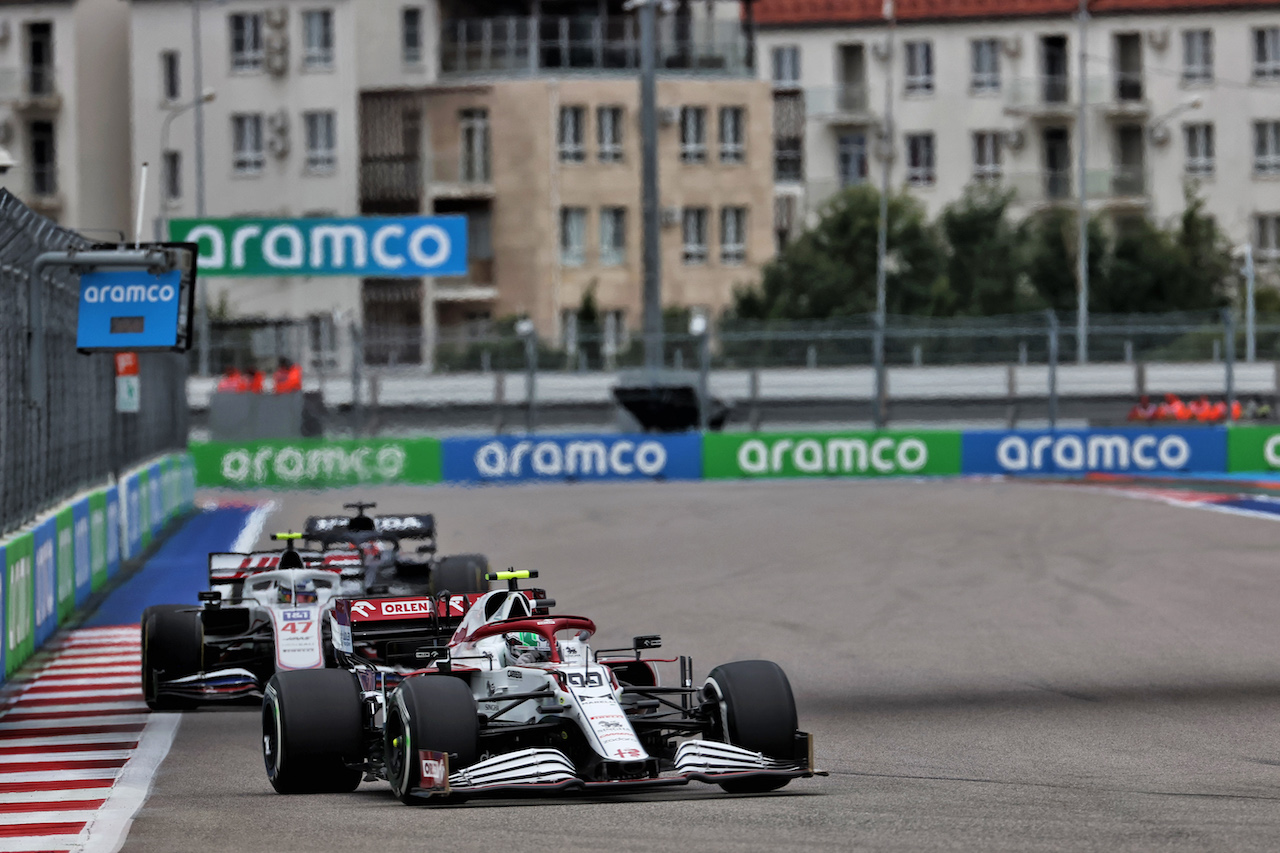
[(830, 271), (987, 260), (1049, 238)]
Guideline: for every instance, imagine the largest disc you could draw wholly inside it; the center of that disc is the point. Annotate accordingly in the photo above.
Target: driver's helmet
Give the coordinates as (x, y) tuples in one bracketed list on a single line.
[(302, 592), (528, 647)]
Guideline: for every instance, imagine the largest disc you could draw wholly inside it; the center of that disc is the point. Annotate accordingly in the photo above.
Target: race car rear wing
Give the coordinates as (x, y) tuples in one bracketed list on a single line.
[(232, 567), (395, 526), (408, 631)]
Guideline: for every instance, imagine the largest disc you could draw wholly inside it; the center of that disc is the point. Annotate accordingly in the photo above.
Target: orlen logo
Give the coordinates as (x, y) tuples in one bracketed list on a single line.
[(131, 293), (1093, 453), (571, 458), (405, 608)]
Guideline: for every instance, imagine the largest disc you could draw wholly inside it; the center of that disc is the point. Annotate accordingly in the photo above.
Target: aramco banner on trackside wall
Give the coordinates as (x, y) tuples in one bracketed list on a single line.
[(831, 454), (1253, 448), (316, 463)]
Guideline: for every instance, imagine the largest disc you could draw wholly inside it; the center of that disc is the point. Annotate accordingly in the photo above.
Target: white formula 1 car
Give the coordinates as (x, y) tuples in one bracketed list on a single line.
[(517, 700)]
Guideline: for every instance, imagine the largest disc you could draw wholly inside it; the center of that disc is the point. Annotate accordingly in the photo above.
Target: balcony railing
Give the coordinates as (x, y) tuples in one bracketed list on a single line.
[(44, 181), (1055, 94), (847, 101), (35, 85), (528, 46), (399, 177), (1050, 186)]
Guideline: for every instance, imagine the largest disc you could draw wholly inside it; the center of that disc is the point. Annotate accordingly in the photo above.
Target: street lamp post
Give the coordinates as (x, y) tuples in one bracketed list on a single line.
[(1082, 213), (197, 70), (206, 97), (882, 235)]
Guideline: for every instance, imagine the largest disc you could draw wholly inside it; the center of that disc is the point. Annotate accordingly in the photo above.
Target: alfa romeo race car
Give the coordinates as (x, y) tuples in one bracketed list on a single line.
[(516, 700), (390, 568), (264, 612)]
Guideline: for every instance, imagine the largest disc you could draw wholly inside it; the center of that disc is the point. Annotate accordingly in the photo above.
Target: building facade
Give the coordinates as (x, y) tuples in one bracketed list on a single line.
[(522, 116), (1176, 96), (64, 95)]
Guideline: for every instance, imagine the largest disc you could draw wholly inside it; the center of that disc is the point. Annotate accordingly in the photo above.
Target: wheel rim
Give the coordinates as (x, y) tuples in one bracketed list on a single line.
[(271, 738), (723, 707), (399, 767)]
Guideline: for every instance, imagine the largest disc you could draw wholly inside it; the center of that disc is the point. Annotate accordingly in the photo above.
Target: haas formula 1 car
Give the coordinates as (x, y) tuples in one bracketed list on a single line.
[(264, 612), (389, 570), (516, 700)]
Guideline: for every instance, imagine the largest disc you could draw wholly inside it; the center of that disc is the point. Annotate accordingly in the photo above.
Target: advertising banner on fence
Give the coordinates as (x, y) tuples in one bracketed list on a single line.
[(65, 557), (317, 463), (505, 459), (131, 541), (144, 511), (1129, 451), (83, 532), (188, 481), (1251, 448), (44, 538), (155, 489), (19, 601), (842, 454), (111, 502)]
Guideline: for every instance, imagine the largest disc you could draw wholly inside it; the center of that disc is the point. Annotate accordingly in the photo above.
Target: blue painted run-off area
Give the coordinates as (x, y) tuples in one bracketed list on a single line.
[(178, 571)]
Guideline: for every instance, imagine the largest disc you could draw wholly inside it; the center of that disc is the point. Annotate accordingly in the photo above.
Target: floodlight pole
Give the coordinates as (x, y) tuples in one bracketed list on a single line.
[(652, 250), (198, 83), (1082, 213), (882, 235)]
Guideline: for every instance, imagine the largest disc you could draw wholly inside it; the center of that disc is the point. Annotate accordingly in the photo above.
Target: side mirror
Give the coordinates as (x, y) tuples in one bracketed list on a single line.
[(211, 597)]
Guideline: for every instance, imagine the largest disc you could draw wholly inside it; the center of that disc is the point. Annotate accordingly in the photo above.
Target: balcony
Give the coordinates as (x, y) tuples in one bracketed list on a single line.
[(476, 286), (1115, 188), (31, 90), (1052, 97), (42, 191), (848, 104), (1126, 97), (402, 178), (529, 46)]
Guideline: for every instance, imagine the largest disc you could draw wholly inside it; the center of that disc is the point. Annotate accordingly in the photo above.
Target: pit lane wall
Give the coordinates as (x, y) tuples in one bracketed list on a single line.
[(320, 463), (52, 565)]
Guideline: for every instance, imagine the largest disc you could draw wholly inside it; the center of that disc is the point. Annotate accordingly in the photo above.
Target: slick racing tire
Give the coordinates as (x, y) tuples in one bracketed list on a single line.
[(435, 712), (312, 729), (460, 573), (172, 647), (756, 711)]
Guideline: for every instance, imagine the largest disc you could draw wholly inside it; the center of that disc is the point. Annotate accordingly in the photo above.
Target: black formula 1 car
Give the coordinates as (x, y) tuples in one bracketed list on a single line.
[(269, 611), (516, 700), (391, 568)]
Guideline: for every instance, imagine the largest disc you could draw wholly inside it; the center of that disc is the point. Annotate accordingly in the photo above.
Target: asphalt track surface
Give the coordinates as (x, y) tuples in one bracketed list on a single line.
[(985, 666)]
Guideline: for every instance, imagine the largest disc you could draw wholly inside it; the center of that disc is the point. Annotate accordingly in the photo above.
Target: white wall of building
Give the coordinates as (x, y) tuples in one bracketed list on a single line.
[(952, 113), (285, 187)]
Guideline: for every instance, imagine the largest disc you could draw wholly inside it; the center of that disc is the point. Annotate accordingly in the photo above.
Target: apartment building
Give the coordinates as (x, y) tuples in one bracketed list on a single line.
[(64, 99), (1175, 94), (532, 130)]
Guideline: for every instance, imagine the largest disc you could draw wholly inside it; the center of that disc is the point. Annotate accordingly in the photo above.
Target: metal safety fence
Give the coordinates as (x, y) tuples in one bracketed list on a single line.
[(70, 437)]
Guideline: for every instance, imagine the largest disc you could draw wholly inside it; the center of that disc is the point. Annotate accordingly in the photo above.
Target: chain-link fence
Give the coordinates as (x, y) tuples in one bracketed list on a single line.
[(73, 438)]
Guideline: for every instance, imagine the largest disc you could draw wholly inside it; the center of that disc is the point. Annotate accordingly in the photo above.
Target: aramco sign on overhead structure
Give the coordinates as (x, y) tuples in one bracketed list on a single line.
[(373, 246)]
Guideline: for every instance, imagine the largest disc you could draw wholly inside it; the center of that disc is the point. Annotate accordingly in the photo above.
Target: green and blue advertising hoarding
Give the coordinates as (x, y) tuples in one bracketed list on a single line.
[(111, 502), (44, 537), (83, 558), (64, 558), (830, 454), (19, 601), (317, 463)]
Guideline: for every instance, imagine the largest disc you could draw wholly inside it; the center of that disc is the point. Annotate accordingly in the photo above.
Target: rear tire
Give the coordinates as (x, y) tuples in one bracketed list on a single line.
[(460, 573), (433, 712), (757, 711), (311, 729), (172, 647)]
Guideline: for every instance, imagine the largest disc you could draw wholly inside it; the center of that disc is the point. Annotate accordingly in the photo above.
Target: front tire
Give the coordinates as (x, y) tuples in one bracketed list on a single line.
[(756, 711), (433, 712), (312, 729), (172, 647)]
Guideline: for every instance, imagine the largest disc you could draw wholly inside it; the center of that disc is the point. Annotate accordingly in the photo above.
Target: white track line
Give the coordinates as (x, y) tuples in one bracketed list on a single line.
[(252, 530)]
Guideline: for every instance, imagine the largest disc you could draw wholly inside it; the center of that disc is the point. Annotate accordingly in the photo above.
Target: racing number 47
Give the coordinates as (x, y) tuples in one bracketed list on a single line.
[(295, 627)]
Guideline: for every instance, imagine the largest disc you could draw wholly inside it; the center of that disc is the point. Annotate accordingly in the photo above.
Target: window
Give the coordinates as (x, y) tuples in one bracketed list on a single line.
[(171, 80), (788, 136), (172, 175), (695, 235), (986, 65), (732, 148), (1266, 53), (786, 66), (44, 158), (475, 146), (851, 158), (920, 167), (613, 236), (733, 235), (1199, 148), (573, 236), (317, 38), (1268, 235), (693, 135), (411, 35), (986, 156), (573, 122), (246, 42), (1266, 148), (609, 134), (1197, 56), (246, 131), (919, 67), (321, 141)]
